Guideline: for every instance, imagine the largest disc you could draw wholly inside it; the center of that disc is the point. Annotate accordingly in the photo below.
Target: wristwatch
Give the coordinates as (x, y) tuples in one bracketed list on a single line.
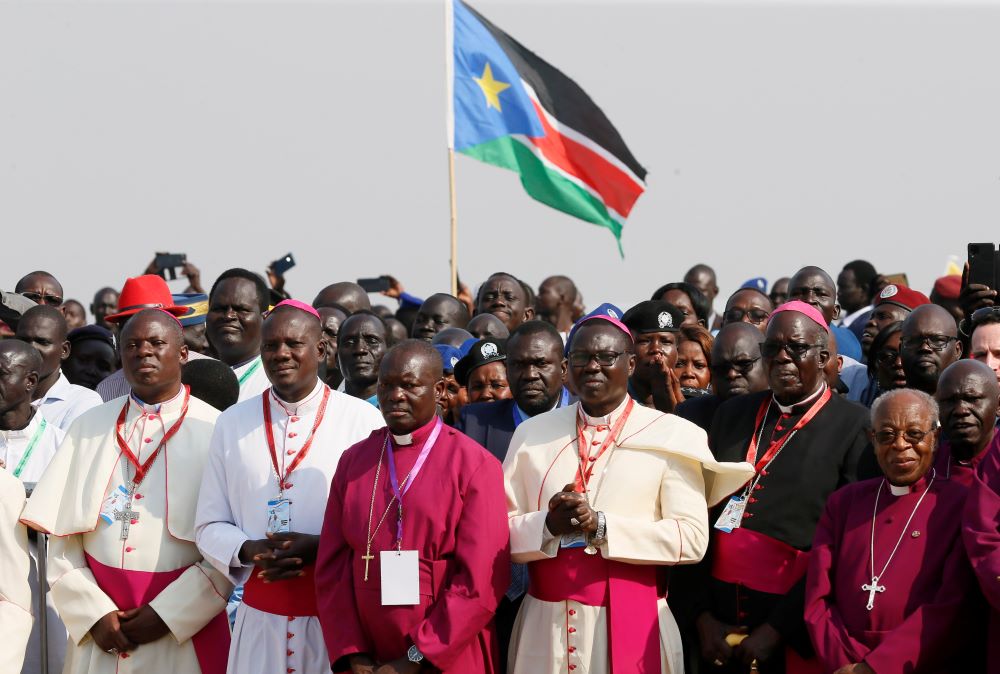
[(414, 654), (601, 534)]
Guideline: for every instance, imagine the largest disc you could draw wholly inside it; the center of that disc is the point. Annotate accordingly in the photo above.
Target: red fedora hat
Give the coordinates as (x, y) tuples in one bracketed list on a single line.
[(144, 292)]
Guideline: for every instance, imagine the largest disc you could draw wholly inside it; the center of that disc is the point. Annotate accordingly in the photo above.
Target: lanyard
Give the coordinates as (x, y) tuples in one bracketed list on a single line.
[(269, 433), (142, 469), (31, 447), (519, 418), (249, 373), (411, 476), (587, 462), (779, 444)]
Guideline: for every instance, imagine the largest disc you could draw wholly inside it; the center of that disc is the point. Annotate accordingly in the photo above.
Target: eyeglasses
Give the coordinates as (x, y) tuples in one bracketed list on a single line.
[(603, 358), (755, 316), (40, 298), (887, 357), (936, 342), (795, 350), (911, 435), (743, 367)]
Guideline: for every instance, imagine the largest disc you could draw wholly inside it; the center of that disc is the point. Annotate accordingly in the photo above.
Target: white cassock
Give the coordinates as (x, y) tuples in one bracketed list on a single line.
[(89, 561), (15, 592), (252, 379), (232, 508), (64, 402), (25, 454), (654, 486)]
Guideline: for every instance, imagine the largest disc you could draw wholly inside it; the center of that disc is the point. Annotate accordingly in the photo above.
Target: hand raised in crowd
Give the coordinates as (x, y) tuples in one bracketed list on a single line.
[(108, 634), (665, 385), (759, 646), (566, 506), (395, 288), (712, 637), (281, 556), (276, 280), (142, 625), (974, 295), (193, 275)]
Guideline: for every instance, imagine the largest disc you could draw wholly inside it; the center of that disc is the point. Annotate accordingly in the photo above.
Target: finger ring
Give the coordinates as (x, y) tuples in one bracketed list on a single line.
[(575, 522), (717, 662), (113, 651)]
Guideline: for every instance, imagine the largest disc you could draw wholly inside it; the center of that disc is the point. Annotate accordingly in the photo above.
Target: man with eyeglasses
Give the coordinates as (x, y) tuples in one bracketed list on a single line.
[(654, 325), (737, 369), (889, 586), (602, 495), (928, 345), (804, 443), (748, 305), (41, 287)]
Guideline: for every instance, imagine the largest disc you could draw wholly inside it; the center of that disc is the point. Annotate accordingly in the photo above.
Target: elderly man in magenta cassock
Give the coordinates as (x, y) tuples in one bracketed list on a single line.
[(263, 530), (889, 587), (124, 571), (414, 553), (603, 495)]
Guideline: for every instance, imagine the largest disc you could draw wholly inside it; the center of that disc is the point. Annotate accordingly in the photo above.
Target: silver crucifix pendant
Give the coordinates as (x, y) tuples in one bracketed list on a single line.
[(871, 589), (126, 515)]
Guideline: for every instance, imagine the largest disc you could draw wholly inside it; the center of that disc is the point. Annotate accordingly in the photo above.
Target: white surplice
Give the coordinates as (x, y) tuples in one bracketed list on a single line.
[(64, 402), (232, 508), (15, 592), (67, 503), (654, 488)]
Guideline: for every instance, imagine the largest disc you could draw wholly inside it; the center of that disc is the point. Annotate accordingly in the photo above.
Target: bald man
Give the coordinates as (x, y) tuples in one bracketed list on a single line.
[(41, 287), (44, 327), (417, 586), (267, 535), (487, 326), (439, 312), (349, 295), (554, 303), (928, 345), (123, 568)]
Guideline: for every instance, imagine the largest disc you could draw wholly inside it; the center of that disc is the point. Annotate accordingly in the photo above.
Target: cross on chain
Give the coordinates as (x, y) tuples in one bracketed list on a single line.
[(368, 557), (126, 515), (871, 589)]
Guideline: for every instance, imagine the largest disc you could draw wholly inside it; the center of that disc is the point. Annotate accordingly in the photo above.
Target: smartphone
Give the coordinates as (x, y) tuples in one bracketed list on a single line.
[(898, 279), (167, 263), (374, 285), (982, 264), (283, 264)]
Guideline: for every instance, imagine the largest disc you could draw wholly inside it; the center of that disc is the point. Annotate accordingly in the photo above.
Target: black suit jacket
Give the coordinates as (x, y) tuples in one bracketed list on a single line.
[(700, 410), (490, 424)]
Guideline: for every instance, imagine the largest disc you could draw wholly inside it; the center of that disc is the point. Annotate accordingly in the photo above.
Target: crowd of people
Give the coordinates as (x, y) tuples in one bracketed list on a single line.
[(235, 480)]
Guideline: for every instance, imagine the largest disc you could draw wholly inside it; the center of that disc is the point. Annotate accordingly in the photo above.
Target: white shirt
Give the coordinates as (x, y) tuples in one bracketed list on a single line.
[(64, 402), (14, 444), (845, 321), (252, 378)]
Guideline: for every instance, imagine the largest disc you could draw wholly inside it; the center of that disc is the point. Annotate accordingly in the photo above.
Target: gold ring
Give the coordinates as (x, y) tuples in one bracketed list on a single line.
[(717, 662)]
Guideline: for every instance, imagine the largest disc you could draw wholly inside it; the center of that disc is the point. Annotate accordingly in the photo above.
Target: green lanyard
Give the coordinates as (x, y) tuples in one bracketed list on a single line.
[(31, 447), (249, 373)]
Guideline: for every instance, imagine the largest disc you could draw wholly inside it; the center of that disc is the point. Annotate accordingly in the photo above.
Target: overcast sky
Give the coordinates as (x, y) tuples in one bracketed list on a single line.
[(775, 134)]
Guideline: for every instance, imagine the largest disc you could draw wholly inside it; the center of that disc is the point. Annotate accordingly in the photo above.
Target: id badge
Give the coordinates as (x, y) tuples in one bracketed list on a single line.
[(732, 515), (116, 500), (279, 516), (400, 574), (577, 539)]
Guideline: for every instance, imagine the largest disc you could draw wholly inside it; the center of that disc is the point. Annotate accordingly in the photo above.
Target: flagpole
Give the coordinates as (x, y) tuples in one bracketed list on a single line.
[(449, 65)]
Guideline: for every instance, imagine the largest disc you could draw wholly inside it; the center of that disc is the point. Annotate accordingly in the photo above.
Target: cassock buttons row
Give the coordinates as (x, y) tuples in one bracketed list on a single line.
[(290, 652), (571, 631)]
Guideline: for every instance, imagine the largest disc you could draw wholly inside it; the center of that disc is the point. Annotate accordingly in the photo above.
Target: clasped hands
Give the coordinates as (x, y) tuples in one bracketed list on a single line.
[(568, 506), (280, 556), (122, 631)]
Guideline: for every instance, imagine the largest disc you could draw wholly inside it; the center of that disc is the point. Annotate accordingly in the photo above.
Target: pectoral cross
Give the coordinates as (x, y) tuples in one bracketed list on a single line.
[(871, 589), (126, 515), (368, 556)]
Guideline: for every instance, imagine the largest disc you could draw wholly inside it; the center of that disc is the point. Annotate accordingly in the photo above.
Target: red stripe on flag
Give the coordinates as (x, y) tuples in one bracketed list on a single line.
[(616, 188)]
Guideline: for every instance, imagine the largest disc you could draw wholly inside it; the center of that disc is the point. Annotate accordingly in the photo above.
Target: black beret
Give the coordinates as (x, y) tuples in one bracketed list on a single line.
[(653, 316), (482, 352)]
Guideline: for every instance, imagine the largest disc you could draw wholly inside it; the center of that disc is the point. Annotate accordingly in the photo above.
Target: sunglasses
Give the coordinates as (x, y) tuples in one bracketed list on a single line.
[(41, 298), (796, 350)]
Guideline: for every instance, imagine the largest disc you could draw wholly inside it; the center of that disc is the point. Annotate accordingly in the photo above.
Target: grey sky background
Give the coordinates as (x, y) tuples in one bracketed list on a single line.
[(776, 134)]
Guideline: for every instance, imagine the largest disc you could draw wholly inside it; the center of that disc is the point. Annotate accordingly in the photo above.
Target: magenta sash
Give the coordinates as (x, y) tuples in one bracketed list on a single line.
[(759, 562), (131, 589), (628, 591)]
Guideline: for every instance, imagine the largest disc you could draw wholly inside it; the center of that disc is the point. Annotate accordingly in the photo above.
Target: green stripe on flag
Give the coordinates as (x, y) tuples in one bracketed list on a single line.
[(544, 183)]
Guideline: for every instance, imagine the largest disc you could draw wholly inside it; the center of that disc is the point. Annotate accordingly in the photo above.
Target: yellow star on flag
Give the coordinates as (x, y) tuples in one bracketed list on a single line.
[(491, 87)]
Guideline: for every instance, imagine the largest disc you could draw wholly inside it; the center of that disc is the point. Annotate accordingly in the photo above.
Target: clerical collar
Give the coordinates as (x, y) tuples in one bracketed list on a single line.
[(607, 420), (918, 486), (307, 404), (788, 409), (416, 437), (149, 408)]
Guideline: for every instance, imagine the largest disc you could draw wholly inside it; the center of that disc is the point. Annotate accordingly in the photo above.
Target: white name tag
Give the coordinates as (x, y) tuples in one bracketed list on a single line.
[(279, 516), (400, 577), (732, 515), (116, 500), (577, 539)]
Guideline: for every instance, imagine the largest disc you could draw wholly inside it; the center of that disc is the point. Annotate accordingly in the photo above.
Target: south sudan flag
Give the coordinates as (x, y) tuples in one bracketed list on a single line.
[(514, 110)]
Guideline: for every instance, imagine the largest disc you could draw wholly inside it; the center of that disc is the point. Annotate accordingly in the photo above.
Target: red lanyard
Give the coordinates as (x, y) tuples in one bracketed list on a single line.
[(587, 462), (142, 469), (269, 432), (778, 444)]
